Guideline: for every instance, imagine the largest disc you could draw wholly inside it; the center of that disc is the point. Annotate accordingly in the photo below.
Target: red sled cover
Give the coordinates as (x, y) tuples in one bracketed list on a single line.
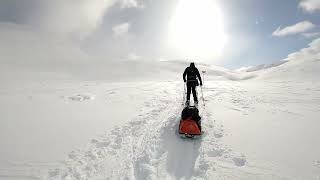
[(189, 127)]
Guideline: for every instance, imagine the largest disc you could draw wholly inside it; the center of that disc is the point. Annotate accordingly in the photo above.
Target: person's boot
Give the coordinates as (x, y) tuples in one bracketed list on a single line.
[(187, 103), (196, 103)]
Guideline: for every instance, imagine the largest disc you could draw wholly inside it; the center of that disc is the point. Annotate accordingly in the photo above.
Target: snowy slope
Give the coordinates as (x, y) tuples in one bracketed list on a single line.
[(80, 117), (294, 70), (273, 118), (301, 66), (75, 129)]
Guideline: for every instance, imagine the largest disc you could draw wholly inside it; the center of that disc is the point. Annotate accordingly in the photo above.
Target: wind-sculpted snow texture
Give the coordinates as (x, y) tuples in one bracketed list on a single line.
[(261, 128), (148, 147), (245, 127)]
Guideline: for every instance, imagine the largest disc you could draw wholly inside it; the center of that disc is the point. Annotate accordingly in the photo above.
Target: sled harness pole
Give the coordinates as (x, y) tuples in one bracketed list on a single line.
[(184, 93), (203, 72), (202, 96)]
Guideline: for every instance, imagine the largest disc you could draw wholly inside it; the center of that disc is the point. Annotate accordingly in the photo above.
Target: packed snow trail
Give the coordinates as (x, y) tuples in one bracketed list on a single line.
[(138, 149), (129, 151), (252, 130), (149, 147)]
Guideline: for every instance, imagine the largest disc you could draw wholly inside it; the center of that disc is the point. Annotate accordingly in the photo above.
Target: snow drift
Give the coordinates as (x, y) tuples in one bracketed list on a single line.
[(67, 115)]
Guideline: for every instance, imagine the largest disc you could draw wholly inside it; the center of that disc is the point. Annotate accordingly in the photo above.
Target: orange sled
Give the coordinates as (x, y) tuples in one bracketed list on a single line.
[(190, 122)]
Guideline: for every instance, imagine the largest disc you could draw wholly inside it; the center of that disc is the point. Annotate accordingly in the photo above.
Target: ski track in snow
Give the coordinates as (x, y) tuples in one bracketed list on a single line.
[(149, 147), (81, 97)]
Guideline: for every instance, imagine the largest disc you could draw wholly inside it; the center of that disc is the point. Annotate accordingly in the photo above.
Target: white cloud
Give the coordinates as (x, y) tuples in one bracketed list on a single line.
[(23, 47), (131, 4), (67, 17), (121, 29), (298, 28), (133, 56), (310, 5), (311, 35), (309, 53), (70, 17)]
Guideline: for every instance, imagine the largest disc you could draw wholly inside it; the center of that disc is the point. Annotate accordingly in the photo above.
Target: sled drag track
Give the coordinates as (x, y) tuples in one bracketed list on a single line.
[(149, 147), (133, 151)]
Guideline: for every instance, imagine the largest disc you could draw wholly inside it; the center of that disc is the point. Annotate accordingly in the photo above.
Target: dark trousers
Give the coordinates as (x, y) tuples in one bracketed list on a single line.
[(191, 86)]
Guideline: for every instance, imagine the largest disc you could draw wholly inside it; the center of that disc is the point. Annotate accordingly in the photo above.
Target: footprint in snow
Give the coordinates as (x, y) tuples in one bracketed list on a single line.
[(103, 144), (218, 134), (112, 92), (239, 161), (317, 163), (215, 153), (81, 97)]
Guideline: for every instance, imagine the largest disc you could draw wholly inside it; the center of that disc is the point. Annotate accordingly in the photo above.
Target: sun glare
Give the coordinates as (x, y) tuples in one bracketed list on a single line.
[(196, 29)]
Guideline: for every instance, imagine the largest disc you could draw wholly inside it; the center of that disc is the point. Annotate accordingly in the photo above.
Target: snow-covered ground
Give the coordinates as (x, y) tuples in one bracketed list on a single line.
[(261, 128), (119, 120)]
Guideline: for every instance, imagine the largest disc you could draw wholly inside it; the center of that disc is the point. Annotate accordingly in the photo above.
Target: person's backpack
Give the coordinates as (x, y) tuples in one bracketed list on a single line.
[(191, 74), (190, 112)]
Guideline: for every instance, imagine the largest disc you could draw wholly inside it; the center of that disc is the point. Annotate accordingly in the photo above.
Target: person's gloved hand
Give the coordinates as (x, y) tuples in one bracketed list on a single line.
[(184, 80), (200, 83)]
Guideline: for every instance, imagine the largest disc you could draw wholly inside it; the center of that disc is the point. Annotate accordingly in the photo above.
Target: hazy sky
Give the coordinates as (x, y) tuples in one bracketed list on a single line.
[(231, 33)]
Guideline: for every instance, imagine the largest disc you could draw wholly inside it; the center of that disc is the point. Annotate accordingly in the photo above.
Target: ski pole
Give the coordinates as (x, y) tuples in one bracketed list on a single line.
[(202, 95), (203, 72), (184, 93)]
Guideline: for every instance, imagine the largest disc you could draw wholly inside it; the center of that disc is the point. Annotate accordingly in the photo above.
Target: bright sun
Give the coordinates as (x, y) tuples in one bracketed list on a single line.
[(196, 29)]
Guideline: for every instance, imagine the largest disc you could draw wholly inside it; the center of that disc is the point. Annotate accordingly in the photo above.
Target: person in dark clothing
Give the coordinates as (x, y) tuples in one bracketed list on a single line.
[(193, 75)]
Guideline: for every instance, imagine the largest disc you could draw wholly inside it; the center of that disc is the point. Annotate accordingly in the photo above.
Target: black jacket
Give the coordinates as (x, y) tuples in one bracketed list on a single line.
[(192, 74)]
